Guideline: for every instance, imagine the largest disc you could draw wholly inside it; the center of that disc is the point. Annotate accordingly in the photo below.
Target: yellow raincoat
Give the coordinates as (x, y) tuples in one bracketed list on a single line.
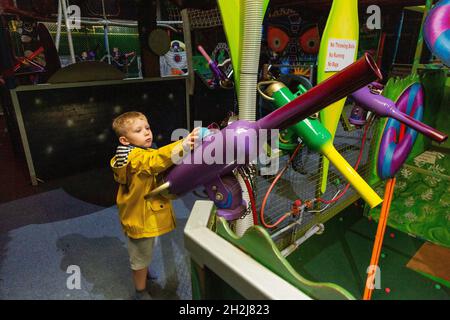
[(140, 217)]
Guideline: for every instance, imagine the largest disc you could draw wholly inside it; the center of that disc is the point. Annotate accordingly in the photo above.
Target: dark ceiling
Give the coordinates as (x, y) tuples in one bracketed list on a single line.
[(313, 4), (322, 3), (126, 9)]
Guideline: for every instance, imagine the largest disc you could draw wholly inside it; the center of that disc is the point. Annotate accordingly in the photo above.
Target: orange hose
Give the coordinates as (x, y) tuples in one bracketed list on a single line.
[(388, 194)]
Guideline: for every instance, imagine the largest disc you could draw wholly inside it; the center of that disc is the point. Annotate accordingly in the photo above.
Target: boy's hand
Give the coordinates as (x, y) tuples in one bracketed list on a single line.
[(190, 141)]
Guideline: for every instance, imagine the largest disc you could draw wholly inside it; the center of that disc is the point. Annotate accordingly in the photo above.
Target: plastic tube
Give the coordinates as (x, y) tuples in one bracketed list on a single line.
[(361, 186), (251, 47), (385, 107)]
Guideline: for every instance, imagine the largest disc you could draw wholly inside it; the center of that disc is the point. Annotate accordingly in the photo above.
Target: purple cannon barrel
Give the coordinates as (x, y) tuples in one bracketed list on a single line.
[(385, 107), (241, 137), (218, 155)]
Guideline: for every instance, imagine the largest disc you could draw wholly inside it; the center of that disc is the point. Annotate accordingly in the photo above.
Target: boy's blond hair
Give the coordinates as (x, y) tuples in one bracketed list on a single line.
[(121, 123)]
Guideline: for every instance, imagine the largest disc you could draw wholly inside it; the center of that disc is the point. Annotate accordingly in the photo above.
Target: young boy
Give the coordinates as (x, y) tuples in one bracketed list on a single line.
[(136, 168)]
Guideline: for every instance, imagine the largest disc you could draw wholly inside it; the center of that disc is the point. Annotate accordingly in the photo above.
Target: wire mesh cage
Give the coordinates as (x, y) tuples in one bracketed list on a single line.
[(201, 19), (302, 181)]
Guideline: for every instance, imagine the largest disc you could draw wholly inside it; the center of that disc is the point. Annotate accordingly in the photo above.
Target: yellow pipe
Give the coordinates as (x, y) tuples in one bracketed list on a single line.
[(361, 186)]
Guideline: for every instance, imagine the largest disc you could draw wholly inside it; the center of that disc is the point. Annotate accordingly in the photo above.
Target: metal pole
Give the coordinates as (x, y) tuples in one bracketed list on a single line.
[(105, 26), (188, 44), (58, 26), (399, 31)]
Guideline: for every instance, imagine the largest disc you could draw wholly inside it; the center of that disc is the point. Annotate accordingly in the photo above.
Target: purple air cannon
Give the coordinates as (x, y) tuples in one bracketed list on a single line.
[(234, 145), (369, 98)]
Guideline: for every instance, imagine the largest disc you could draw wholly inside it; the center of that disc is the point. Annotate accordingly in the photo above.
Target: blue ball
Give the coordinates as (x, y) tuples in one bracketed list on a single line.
[(203, 132)]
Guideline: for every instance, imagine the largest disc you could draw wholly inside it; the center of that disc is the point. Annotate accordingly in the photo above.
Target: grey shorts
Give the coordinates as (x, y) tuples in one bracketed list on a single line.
[(140, 252)]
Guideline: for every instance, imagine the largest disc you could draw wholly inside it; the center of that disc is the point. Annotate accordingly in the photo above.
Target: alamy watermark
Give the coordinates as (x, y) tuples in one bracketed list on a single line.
[(74, 280), (374, 20), (74, 17), (374, 277)]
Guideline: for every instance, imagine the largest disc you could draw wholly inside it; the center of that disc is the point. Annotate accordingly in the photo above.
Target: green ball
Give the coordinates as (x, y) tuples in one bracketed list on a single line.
[(437, 286)]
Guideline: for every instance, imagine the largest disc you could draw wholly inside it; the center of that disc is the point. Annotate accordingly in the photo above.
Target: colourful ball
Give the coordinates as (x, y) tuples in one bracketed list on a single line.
[(436, 31), (203, 132)]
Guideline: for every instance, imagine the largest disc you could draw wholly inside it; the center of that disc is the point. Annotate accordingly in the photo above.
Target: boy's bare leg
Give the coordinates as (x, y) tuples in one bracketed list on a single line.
[(140, 279)]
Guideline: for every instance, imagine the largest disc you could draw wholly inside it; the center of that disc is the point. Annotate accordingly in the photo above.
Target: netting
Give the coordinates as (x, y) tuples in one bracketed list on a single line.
[(199, 19), (90, 40)]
